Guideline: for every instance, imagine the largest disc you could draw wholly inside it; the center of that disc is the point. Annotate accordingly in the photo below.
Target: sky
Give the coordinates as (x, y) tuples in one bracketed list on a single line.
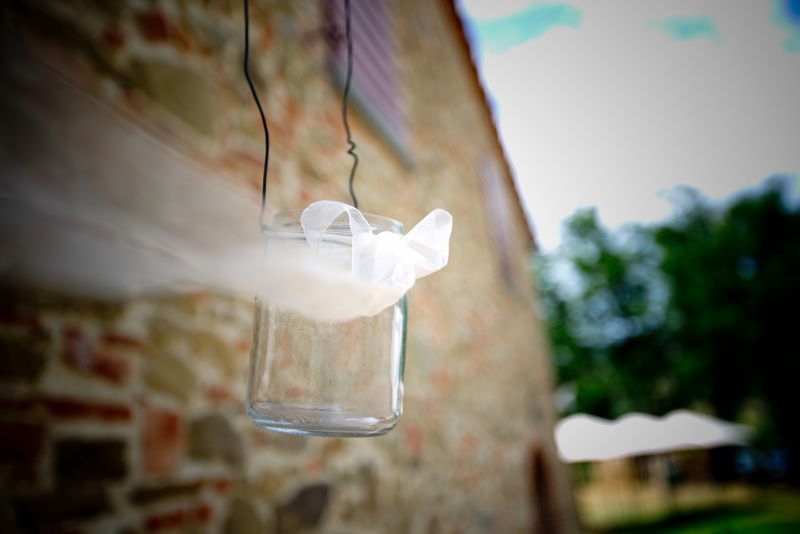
[(613, 103)]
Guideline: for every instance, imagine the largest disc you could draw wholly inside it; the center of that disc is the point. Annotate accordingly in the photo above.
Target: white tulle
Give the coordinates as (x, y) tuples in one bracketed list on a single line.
[(332, 277)]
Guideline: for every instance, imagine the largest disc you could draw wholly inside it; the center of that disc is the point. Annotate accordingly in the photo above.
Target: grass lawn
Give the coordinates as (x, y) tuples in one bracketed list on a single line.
[(774, 512)]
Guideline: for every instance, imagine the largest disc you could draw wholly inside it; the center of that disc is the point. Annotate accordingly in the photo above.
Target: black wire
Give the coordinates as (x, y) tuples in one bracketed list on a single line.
[(260, 110), (351, 149)]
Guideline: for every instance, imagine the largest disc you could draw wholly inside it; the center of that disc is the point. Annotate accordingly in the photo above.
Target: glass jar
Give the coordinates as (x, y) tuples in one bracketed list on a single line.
[(326, 378)]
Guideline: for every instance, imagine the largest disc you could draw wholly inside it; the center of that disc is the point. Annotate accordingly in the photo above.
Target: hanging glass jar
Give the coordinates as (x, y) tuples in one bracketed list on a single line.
[(326, 378)]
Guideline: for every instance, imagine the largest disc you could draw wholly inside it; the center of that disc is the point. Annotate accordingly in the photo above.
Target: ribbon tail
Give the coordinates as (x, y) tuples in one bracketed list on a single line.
[(429, 242)]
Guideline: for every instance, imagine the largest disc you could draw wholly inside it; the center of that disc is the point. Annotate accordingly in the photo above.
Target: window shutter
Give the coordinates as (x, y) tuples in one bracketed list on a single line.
[(374, 88)]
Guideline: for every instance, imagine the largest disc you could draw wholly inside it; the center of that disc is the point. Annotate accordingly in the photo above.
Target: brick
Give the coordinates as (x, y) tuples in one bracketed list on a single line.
[(150, 494), (182, 90), (23, 352), (80, 355), (178, 518), (214, 437), (112, 8), (305, 509), (113, 37), (21, 448), (243, 518), (83, 460), (67, 504), (169, 520), (70, 408), (39, 406), (216, 394), (162, 442), (216, 351), (116, 339), (222, 485), (168, 374), (201, 513), (153, 25), (10, 317), (413, 440)]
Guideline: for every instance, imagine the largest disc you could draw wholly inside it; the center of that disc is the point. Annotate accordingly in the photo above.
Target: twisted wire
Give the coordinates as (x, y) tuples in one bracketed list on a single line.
[(352, 146), (260, 111)]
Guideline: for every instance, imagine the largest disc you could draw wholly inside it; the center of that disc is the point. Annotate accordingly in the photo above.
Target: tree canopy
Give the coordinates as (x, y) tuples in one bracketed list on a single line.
[(700, 311)]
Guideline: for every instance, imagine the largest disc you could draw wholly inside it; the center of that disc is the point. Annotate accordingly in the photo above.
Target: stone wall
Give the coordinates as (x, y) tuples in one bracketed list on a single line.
[(126, 415)]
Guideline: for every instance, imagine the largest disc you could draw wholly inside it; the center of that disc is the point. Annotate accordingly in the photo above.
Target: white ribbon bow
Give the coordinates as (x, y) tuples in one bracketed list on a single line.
[(332, 282)]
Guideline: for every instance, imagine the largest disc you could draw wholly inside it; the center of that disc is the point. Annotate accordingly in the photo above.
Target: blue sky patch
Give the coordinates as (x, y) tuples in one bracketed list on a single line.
[(500, 35), (686, 29), (787, 15)]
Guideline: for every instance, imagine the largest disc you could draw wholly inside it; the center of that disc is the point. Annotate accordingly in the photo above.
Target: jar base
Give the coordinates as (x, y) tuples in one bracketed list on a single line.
[(325, 422)]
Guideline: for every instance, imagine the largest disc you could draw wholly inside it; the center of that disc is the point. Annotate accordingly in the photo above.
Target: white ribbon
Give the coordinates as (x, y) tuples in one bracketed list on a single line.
[(336, 278)]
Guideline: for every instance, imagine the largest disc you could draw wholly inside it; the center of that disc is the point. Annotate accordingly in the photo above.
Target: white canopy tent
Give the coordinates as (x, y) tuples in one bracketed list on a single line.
[(585, 438)]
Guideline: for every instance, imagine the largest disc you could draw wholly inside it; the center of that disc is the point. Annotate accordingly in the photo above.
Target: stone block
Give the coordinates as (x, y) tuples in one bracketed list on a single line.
[(112, 8), (23, 353), (21, 447), (217, 352), (168, 374), (182, 90), (42, 513), (243, 518), (214, 437), (162, 441), (150, 494), (81, 461), (305, 509)]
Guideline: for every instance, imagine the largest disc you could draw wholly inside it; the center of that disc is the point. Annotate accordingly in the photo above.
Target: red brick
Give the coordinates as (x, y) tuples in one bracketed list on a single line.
[(165, 520), (469, 442), (413, 435), (222, 485), (121, 340), (79, 354), (64, 407), (113, 37), (218, 394), (77, 409), (114, 369), (162, 441), (153, 25), (201, 513), (177, 518), (244, 345)]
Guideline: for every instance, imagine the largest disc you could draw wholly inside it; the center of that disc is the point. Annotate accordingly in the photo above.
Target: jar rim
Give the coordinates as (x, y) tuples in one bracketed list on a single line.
[(288, 220)]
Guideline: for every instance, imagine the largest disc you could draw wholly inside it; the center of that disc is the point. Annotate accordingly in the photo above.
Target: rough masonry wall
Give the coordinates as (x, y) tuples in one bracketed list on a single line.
[(127, 416)]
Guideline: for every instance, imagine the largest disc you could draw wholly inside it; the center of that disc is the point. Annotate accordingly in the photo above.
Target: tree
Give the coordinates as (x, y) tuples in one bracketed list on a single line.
[(701, 310), (603, 299), (736, 289)]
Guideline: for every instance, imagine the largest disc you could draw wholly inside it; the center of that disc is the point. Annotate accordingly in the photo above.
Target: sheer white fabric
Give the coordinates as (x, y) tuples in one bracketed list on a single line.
[(328, 276)]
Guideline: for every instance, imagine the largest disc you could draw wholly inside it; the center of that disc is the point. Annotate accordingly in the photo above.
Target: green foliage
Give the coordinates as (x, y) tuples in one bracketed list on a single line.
[(699, 311), (603, 299)]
